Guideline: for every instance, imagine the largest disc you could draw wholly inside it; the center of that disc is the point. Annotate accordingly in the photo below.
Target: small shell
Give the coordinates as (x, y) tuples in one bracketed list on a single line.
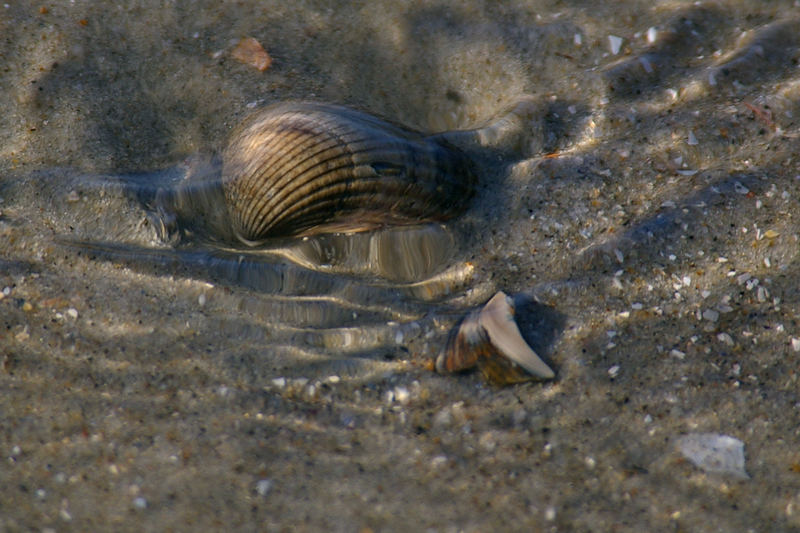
[(490, 339), (299, 168)]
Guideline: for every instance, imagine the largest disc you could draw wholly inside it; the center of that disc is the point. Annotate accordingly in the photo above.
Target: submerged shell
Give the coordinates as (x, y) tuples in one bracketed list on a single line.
[(299, 168), (490, 339)]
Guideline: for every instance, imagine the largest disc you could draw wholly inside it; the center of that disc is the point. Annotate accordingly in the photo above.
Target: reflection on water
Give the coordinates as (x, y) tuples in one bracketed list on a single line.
[(397, 254), (340, 298), (334, 304)]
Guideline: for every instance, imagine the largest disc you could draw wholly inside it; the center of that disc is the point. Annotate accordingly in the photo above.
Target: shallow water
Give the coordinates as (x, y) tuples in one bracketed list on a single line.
[(151, 381)]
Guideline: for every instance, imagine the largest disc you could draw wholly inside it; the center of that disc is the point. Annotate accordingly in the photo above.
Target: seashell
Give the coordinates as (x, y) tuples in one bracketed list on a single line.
[(301, 168), (490, 339)]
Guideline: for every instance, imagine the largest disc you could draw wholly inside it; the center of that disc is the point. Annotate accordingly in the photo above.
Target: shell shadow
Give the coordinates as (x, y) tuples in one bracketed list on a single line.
[(540, 325)]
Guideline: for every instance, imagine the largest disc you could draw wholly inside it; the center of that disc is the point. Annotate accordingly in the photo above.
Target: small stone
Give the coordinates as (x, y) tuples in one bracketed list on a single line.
[(72, 313), (678, 354), (438, 461), (714, 453), (614, 43), (725, 338), (795, 344), (613, 371), (263, 487), (140, 503), (401, 395), (711, 315), (250, 52), (761, 294)]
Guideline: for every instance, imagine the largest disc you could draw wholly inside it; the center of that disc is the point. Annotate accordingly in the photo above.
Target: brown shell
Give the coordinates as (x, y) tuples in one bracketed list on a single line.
[(299, 168)]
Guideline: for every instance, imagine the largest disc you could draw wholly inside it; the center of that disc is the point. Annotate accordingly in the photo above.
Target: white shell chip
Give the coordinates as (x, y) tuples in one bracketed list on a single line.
[(714, 453)]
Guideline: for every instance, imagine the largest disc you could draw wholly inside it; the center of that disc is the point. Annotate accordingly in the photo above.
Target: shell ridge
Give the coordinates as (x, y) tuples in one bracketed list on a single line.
[(298, 166), (323, 168), (296, 131), (278, 181)]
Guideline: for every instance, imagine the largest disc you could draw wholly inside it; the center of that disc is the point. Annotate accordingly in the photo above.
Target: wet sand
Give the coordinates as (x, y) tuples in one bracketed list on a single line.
[(650, 208)]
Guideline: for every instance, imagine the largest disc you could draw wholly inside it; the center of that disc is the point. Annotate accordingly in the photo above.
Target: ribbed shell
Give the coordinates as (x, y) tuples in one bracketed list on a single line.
[(299, 168)]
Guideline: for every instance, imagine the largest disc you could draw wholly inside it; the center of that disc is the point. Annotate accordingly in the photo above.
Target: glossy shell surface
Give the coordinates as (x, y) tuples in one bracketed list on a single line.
[(299, 168), (490, 339)]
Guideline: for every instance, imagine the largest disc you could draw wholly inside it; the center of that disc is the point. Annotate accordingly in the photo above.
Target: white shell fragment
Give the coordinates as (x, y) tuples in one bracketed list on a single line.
[(490, 339), (497, 319), (714, 453), (614, 44)]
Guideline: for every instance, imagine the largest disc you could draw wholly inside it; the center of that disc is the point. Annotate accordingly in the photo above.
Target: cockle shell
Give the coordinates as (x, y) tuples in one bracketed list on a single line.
[(490, 339), (299, 168)]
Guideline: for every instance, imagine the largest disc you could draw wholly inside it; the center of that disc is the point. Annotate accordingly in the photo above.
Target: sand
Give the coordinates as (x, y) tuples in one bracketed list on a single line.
[(649, 207)]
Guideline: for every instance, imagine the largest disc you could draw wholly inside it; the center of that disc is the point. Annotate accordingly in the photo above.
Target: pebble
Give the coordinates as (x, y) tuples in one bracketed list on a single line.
[(438, 461), (677, 353), (795, 344), (140, 503), (250, 52), (714, 453), (263, 487), (614, 43), (401, 395), (725, 338)]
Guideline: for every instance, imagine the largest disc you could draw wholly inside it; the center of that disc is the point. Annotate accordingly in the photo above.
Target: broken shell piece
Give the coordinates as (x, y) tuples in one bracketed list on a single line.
[(490, 339), (250, 52)]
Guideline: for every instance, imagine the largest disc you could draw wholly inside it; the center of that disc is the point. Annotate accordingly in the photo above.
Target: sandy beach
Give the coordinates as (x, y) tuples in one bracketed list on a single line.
[(644, 214)]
